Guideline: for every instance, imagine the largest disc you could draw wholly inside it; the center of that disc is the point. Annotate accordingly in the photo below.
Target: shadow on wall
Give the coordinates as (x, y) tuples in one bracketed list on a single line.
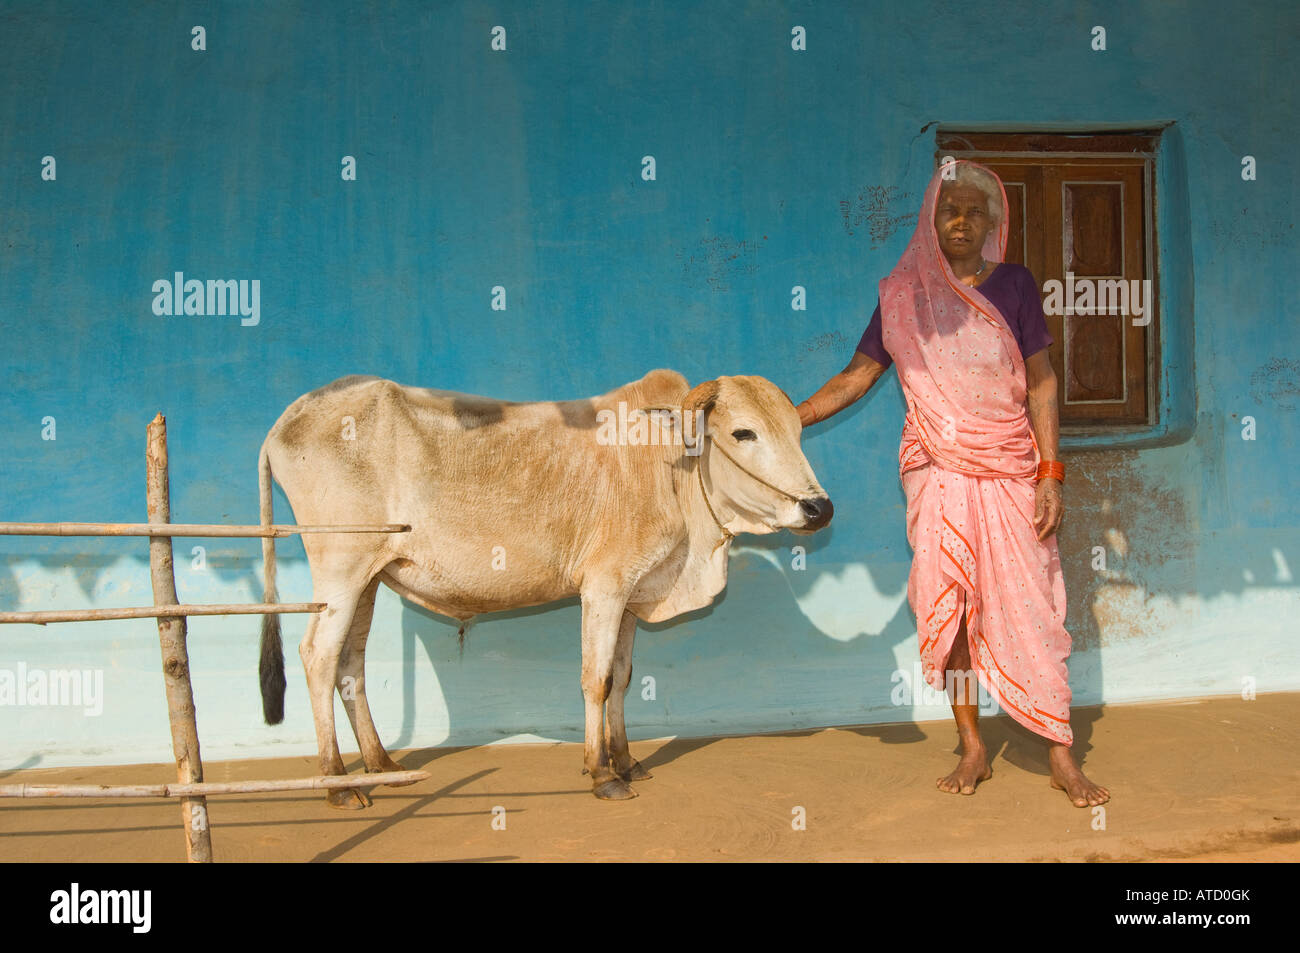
[(1121, 532), (1132, 536)]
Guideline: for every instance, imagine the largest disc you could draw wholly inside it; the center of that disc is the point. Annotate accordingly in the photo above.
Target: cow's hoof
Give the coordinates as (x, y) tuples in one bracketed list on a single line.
[(348, 799), (615, 789), (635, 773)]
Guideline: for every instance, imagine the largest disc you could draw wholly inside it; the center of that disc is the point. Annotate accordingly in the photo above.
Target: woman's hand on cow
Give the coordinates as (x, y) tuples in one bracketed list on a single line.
[(845, 388), (1048, 507)]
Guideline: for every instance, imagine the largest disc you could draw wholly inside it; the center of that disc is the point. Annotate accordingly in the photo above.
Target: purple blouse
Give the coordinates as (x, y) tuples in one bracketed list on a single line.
[(1011, 289)]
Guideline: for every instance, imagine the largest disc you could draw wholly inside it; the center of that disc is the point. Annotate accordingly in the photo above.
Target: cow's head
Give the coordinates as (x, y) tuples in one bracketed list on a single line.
[(760, 482)]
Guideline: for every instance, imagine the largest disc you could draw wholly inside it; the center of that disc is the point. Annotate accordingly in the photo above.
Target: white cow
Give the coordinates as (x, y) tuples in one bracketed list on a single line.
[(519, 504)]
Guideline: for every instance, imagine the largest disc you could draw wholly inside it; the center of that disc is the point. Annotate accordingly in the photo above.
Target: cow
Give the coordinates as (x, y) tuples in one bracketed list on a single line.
[(629, 500)]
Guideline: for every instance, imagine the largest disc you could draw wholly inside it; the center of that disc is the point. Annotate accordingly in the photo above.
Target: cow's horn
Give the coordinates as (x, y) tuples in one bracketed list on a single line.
[(701, 397), (696, 405)]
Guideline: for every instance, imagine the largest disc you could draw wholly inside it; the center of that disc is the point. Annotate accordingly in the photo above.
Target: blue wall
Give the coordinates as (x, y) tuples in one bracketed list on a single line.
[(522, 168)]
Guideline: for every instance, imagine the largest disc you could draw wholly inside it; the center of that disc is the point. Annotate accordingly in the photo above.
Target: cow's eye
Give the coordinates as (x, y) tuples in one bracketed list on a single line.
[(744, 435)]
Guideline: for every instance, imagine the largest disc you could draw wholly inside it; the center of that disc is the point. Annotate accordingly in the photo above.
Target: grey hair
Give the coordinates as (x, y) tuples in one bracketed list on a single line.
[(968, 174)]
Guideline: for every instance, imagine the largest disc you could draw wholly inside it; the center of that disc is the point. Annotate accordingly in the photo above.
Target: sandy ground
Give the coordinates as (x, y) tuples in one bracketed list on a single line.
[(1200, 780)]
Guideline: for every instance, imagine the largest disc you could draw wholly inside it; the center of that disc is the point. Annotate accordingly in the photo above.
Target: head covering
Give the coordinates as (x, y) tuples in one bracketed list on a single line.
[(960, 366)]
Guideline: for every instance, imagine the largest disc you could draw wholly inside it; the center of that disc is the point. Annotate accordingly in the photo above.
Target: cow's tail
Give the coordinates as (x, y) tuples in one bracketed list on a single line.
[(271, 668)]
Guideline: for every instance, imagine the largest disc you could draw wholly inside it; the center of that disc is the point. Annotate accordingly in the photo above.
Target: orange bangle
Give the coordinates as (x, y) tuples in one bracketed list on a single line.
[(1051, 468)]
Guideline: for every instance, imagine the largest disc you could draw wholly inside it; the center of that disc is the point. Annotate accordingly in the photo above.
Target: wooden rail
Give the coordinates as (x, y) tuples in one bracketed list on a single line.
[(159, 612), (171, 615), (187, 529), (206, 788)]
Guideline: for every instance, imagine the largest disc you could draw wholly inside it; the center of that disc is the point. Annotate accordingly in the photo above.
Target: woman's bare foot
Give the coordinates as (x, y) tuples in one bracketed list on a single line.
[(1067, 777), (971, 770)]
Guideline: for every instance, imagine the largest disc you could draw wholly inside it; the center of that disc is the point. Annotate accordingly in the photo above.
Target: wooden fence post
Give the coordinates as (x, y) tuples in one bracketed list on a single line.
[(175, 655)]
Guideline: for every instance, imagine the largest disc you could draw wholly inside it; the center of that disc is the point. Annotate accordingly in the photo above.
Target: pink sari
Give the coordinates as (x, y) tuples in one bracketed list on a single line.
[(967, 460)]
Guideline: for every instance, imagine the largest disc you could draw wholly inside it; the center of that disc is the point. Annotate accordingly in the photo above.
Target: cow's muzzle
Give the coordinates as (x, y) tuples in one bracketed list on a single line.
[(817, 511)]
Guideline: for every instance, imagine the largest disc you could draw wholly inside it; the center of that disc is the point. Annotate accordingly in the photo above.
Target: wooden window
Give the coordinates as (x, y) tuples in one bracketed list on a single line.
[(1081, 210)]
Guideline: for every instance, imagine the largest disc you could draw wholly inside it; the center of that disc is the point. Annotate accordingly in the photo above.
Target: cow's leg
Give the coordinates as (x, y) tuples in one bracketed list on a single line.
[(320, 650), (624, 765), (352, 686), (602, 615)]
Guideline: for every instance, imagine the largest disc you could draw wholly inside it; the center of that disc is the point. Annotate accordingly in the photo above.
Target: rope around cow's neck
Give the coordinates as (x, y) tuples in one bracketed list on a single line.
[(699, 472), (727, 535)]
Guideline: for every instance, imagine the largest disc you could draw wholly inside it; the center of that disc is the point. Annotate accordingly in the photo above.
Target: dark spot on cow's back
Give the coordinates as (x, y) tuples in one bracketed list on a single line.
[(293, 432), (578, 414), (472, 411), (303, 418)]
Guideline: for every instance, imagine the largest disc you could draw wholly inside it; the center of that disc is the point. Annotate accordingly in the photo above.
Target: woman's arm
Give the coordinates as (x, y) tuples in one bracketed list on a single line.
[(1040, 381), (845, 388)]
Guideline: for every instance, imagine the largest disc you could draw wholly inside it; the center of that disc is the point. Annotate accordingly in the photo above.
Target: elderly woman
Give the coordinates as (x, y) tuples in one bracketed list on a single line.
[(978, 463)]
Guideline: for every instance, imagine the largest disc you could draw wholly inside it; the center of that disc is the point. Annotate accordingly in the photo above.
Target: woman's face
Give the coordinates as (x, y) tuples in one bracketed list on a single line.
[(962, 221)]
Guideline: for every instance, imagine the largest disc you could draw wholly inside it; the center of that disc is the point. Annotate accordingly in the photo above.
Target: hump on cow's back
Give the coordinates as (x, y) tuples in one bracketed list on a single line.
[(660, 387), (351, 380)]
